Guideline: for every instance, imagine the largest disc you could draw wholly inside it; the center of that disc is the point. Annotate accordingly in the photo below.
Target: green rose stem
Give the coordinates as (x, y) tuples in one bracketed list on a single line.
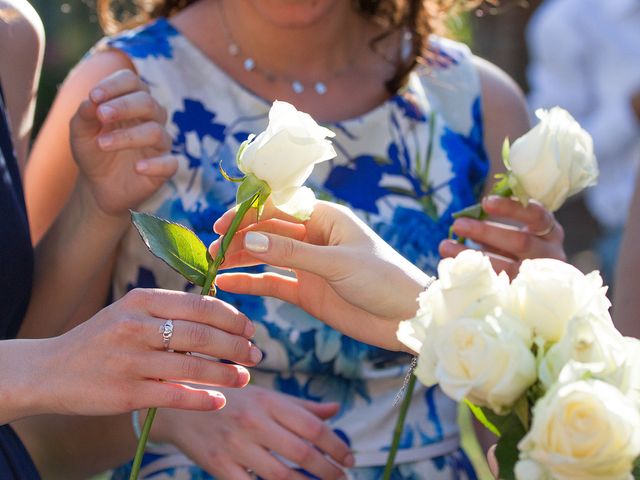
[(397, 431), (207, 289)]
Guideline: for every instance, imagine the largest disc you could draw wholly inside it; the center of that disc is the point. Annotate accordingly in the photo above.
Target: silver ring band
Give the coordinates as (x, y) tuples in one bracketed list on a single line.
[(547, 230), (166, 329)]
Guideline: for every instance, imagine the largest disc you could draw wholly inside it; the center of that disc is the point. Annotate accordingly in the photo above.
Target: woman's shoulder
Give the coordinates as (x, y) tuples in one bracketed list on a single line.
[(149, 40)]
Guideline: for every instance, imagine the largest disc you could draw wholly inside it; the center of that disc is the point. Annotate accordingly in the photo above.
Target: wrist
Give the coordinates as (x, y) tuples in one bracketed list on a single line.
[(24, 386), (89, 211)]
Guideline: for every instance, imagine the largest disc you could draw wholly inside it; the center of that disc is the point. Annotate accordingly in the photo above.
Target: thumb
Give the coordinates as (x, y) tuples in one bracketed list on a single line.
[(286, 252)]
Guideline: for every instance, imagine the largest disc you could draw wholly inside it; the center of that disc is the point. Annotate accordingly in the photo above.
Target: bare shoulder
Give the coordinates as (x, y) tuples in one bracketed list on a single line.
[(504, 108), (21, 27)]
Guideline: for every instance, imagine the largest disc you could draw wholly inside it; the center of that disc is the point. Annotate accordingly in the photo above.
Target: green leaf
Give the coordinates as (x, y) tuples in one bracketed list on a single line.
[(507, 447), (175, 244), (636, 469), (480, 415), (502, 187), (474, 211)]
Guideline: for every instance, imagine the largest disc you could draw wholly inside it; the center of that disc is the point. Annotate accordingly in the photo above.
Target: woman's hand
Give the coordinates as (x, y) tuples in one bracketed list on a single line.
[(512, 234), (345, 274), (120, 143), (117, 361), (255, 428)]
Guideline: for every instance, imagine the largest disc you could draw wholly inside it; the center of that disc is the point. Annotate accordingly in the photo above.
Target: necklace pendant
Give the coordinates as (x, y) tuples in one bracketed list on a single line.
[(297, 86), (249, 64), (233, 49), (320, 88)]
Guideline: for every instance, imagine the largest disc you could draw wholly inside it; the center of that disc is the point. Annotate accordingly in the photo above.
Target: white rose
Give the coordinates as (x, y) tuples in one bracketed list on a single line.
[(553, 161), (585, 429), (593, 342), (467, 285), (284, 155), (485, 360), (548, 293)]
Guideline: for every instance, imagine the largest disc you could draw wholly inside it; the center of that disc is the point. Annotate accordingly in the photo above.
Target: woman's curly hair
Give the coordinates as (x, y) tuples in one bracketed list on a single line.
[(417, 19)]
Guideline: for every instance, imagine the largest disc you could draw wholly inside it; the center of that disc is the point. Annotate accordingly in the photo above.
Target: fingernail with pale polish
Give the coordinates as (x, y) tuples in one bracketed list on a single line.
[(256, 242), (97, 95), (106, 112), (105, 140), (255, 354), (142, 166)]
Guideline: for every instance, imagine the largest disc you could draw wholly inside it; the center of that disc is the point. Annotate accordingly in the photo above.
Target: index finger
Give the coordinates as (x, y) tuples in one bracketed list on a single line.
[(187, 306), (316, 431), (115, 85), (534, 216)]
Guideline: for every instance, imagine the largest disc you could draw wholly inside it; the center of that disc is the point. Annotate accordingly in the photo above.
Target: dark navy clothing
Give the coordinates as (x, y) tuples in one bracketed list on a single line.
[(16, 274)]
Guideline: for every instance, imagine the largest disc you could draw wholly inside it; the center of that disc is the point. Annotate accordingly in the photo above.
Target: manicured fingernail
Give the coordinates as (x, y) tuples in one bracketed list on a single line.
[(256, 242), (249, 330), (106, 112), (255, 354), (462, 225), (142, 166), (105, 140), (98, 95)]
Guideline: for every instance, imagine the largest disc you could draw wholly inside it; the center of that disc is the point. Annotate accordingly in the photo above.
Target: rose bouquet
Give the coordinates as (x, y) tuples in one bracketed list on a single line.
[(275, 164), (538, 361)]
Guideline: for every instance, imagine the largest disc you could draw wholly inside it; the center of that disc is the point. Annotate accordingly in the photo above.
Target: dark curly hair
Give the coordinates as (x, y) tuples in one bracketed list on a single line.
[(419, 18)]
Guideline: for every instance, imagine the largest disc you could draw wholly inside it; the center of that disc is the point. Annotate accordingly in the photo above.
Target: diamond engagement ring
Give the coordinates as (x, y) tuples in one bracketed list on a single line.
[(166, 329)]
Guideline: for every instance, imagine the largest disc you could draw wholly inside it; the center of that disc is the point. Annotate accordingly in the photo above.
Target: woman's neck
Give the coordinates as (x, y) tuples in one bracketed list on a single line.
[(304, 38)]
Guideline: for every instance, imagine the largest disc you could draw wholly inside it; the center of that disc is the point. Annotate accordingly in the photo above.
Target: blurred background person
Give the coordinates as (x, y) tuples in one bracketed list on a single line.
[(585, 57)]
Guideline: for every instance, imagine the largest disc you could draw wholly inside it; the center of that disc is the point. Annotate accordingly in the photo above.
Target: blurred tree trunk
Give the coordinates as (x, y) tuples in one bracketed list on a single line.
[(498, 36)]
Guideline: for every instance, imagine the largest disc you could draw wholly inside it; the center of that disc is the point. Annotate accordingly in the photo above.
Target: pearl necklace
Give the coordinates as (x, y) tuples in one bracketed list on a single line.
[(250, 65)]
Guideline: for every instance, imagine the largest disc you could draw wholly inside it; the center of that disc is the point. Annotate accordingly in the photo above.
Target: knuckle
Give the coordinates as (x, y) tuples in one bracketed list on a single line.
[(201, 305), (156, 133), (191, 367), (288, 249), (560, 231), (127, 326), (538, 215), (315, 429), (522, 243), (198, 335), (137, 297), (302, 453), (280, 472), (239, 349), (176, 397)]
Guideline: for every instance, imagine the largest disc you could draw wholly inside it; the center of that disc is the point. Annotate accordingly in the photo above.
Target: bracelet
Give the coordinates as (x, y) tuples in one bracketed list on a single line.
[(135, 422)]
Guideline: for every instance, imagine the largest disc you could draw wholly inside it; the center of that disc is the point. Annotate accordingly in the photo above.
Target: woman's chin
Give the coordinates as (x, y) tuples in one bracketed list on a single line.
[(297, 13)]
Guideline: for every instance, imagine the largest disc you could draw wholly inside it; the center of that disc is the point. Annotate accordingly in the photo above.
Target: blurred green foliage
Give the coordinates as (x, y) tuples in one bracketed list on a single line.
[(71, 28)]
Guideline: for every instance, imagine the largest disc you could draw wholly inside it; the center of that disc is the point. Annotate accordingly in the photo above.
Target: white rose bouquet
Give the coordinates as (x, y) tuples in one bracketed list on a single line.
[(276, 164), (550, 163), (539, 362)]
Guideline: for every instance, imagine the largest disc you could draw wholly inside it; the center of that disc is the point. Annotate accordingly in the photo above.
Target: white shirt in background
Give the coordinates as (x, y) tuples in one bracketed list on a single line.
[(585, 57)]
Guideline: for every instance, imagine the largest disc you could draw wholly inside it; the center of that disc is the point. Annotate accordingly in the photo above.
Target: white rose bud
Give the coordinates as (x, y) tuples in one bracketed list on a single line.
[(585, 429), (467, 285), (484, 360), (548, 293), (553, 161), (284, 154), (593, 342)]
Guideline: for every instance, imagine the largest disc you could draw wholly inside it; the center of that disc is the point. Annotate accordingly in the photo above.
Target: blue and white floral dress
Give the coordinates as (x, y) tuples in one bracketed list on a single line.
[(384, 172)]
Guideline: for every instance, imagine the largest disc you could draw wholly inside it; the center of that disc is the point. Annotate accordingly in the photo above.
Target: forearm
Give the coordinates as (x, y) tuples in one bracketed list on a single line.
[(626, 302), (69, 258), (23, 375), (65, 447)]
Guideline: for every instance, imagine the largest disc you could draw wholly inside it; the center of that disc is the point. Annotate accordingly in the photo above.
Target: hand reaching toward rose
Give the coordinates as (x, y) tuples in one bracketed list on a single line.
[(343, 271), (512, 234), (251, 430), (120, 143)]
